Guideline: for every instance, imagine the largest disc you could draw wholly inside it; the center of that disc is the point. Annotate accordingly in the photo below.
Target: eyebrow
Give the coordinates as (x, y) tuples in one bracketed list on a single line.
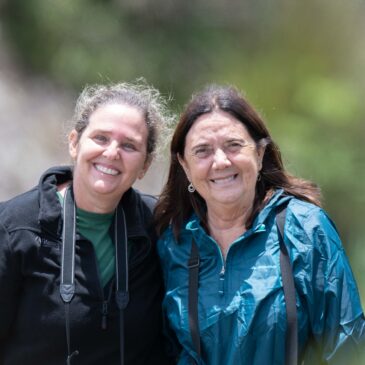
[(127, 138), (235, 140), (207, 144), (201, 145), (132, 139)]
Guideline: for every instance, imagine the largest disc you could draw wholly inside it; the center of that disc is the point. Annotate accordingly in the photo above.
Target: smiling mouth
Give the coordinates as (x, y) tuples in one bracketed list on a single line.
[(106, 170), (224, 180)]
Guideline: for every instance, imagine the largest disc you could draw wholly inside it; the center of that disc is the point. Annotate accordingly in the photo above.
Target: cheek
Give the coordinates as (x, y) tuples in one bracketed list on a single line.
[(249, 166), (199, 171), (135, 163), (87, 150)]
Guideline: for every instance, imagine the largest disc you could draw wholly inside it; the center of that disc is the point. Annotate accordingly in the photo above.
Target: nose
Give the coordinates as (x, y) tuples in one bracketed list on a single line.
[(220, 159), (112, 151)]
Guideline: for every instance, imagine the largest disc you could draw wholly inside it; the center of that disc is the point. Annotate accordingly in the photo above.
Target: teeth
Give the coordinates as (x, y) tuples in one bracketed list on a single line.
[(106, 170), (224, 180)]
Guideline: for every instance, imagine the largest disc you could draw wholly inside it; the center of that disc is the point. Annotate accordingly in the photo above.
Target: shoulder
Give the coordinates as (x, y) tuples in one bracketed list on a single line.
[(310, 228), (169, 246), (138, 208), (172, 253), (22, 209), (167, 238), (308, 216), (188, 226), (143, 201), (148, 200)]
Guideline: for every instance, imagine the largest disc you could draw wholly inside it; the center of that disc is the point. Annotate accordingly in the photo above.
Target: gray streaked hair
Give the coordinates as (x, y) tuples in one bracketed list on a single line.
[(136, 94)]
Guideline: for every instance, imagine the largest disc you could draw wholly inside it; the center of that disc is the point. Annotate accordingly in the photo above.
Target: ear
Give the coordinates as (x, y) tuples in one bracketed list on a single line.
[(184, 166), (72, 144), (260, 156), (145, 168)]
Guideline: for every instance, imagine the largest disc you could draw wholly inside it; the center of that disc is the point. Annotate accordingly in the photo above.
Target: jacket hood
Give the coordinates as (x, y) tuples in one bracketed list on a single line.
[(50, 208)]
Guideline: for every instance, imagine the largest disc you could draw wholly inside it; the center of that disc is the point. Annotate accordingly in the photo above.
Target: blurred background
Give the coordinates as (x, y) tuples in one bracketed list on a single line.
[(301, 64)]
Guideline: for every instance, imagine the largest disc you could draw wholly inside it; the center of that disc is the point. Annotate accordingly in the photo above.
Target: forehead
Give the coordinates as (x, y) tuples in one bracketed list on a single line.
[(216, 125), (116, 116), (116, 110)]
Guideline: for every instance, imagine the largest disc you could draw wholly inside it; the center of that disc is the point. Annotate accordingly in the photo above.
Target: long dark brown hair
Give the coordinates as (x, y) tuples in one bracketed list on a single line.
[(176, 204)]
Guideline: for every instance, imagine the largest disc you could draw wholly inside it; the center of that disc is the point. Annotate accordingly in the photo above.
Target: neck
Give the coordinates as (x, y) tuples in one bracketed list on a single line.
[(225, 227), (94, 204), (225, 216)]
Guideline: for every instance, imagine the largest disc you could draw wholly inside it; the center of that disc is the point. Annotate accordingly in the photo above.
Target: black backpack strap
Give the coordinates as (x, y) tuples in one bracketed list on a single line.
[(121, 274), (67, 286), (291, 340), (193, 266)]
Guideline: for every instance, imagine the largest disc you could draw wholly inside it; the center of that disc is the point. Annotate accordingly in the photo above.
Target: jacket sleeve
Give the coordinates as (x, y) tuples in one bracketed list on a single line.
[(173, 345), (336, 317), (9, 285)]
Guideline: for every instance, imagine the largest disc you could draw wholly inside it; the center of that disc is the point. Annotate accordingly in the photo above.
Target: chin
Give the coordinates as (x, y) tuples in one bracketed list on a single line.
[(102, 188), (228, 199)]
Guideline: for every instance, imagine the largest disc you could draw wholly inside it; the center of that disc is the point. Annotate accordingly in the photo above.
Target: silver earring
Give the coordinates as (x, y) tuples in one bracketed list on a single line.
[(259, 176), (191, 188)]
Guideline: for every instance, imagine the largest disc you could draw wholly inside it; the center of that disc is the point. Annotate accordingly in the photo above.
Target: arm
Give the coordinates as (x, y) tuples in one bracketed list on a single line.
[(173, 345), (9, 285), (336, 317)]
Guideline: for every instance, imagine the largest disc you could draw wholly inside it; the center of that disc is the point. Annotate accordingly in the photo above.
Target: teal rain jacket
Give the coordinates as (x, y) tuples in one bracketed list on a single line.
[(242, 314)]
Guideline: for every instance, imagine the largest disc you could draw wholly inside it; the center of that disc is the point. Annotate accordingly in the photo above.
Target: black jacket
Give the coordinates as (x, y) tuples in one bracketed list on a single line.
[(32, 314)]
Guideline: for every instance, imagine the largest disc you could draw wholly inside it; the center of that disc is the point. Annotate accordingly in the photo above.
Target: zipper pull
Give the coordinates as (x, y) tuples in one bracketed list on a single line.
[(221, 280), (104, 315)]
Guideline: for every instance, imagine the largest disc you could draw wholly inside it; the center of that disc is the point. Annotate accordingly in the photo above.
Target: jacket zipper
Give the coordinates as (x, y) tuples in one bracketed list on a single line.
[(222, 279), (104, 315), (224, 261), (105, 306), (223, 270)]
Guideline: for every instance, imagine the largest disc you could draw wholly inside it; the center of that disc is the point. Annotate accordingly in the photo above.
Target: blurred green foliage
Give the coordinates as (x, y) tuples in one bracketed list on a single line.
[(301, 63)]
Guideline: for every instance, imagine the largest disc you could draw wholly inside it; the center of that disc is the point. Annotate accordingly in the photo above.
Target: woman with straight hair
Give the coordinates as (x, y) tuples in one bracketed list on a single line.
[(254, 269)]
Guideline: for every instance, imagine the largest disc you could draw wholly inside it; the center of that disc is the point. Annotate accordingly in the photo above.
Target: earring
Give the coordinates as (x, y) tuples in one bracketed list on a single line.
[(259, 176), (191, 188)]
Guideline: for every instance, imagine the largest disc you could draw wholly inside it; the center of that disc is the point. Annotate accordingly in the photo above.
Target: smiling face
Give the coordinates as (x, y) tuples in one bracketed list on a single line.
[(222, 161), (109, 156)]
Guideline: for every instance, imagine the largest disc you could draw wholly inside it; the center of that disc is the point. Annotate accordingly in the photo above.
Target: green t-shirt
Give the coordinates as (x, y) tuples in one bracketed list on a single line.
[(95, 227)]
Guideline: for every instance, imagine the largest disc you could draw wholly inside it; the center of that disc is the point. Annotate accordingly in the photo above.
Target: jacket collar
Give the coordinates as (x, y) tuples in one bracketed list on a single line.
[(278, 199), (50, 210)]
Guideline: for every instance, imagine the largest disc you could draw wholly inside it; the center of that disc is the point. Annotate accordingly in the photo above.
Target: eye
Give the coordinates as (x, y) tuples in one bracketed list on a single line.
[(234, 146), (202, 151), (100, 139), (129, 147)]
